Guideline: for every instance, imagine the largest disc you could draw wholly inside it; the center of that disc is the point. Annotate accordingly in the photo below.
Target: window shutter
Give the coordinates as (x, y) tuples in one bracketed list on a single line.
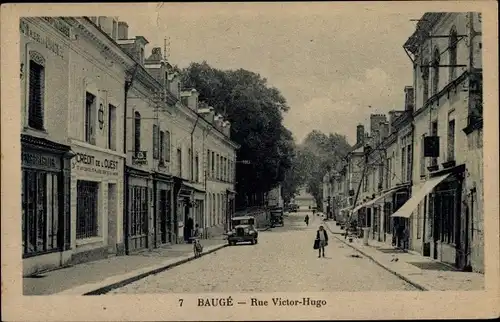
[(36, 95), (162, 146)]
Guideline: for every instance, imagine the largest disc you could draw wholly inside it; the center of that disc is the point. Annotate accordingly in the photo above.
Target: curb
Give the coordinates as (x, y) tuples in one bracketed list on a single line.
[(404, 278), (108, 288)]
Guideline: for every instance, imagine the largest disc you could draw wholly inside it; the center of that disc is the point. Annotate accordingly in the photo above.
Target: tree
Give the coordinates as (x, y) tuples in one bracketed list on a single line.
[(255, 112), (321, 152)]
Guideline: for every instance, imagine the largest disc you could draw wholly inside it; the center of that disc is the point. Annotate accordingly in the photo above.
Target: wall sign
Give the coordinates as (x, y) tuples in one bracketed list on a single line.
[(89, 163), (30, 159), (49, 43)]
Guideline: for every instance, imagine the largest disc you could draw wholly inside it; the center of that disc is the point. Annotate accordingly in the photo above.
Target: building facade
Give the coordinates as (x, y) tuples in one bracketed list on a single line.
[(97, 83), (447, 225), (46, 154)]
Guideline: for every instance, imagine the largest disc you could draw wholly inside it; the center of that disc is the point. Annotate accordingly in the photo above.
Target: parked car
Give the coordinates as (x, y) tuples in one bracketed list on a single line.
[(243, 230)]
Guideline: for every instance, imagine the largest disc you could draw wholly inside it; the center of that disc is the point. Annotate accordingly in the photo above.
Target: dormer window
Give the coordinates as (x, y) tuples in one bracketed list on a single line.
[(142, 56), (179, 89), (115, 30)]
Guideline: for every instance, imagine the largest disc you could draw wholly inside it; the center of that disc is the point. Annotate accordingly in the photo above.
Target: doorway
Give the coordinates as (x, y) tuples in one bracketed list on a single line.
[(163, 216), (112, 218)]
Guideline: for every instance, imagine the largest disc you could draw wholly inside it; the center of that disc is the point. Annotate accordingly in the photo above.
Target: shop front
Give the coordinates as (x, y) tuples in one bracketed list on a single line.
[(96, 203), (45, 194), (184, 203), (163, 190), (140, 205)]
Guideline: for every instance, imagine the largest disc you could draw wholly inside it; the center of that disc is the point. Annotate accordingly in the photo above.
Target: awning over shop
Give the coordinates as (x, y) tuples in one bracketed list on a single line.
[(231, 191), (407, 209), (371, 202)]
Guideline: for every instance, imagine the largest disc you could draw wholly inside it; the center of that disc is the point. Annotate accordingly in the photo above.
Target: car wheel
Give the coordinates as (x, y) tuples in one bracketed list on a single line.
[(253, 241), (256, 241)]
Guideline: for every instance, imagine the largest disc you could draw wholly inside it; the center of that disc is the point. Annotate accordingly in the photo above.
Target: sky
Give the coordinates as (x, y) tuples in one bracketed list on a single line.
[(335, 66)]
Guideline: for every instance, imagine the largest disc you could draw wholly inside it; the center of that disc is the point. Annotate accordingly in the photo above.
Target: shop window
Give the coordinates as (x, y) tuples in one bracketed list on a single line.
[(419, 218), (36, 91), (387, 218), (90, 118), (139, 210), (112, 127), (40, 212), (137, 132), (156, 151), (87, 214)]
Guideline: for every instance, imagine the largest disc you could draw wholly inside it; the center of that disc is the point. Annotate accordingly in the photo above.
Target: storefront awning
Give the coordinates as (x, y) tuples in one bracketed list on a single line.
[(378, 198), (407, 209), (231, 191)]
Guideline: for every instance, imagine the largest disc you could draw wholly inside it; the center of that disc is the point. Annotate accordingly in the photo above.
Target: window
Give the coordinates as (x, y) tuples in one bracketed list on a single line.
[(142, 56), (179, 162), (422, 157), (138, 210), (162, 147), (213, 165), (403, 163), (167, 146), (40, 211), (213, 209), (452, 50), (208, 163), (451, 140), (190, 164), (196, 168), (435, 71), (425, 81), (36, 91), (87, 214), (90, 113), (434, 132), (408, 163), (179, 89), (137, 132), (112, 127), (156, 150), (217, 161)]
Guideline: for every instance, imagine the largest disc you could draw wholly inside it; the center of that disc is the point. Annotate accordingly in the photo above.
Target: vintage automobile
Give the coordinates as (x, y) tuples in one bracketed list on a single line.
[(243, 230), (276, 217)]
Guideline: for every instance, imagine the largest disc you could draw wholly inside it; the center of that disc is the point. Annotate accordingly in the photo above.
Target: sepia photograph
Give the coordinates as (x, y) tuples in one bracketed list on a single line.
[(246, 159)]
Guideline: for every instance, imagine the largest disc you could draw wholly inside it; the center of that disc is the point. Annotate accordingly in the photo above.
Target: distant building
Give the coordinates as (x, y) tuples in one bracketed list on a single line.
[(304, 199)]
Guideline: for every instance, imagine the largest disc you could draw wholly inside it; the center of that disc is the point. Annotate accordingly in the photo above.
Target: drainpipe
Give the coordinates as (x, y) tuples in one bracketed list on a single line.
[(128, 85)]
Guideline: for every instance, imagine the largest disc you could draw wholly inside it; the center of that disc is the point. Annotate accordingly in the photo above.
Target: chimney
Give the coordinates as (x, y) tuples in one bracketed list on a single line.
[(409, 98), (106, 24), (360, 134), (190, 99), (375, 121), (122, 30)]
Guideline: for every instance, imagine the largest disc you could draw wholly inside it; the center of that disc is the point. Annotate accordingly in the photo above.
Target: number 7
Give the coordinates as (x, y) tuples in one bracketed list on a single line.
[(181, 301)]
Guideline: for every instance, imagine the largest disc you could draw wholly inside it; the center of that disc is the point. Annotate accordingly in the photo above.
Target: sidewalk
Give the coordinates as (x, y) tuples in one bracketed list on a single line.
[(422, 272), (98, 277)]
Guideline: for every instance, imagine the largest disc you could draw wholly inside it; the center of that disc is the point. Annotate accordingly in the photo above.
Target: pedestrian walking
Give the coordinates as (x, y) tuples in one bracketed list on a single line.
[(306, 220), (321, 240)]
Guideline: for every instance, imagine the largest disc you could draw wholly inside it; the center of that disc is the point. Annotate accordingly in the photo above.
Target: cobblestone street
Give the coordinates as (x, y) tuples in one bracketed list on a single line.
[(282, 261)]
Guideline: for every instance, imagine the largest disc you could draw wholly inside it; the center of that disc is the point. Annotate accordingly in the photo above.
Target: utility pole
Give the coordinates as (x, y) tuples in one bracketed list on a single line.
[(357, 192)]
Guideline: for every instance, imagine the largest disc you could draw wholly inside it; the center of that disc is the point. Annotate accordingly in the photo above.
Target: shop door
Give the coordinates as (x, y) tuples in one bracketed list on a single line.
[(168, 208), (163, 216)]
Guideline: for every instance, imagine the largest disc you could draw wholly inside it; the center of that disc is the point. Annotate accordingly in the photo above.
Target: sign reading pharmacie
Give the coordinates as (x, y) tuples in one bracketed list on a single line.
[(97, 163)]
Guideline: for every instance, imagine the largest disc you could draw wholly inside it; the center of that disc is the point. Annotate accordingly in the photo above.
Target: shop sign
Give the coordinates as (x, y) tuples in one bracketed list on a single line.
[(30, 159), (50, 44), (90, 163)]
